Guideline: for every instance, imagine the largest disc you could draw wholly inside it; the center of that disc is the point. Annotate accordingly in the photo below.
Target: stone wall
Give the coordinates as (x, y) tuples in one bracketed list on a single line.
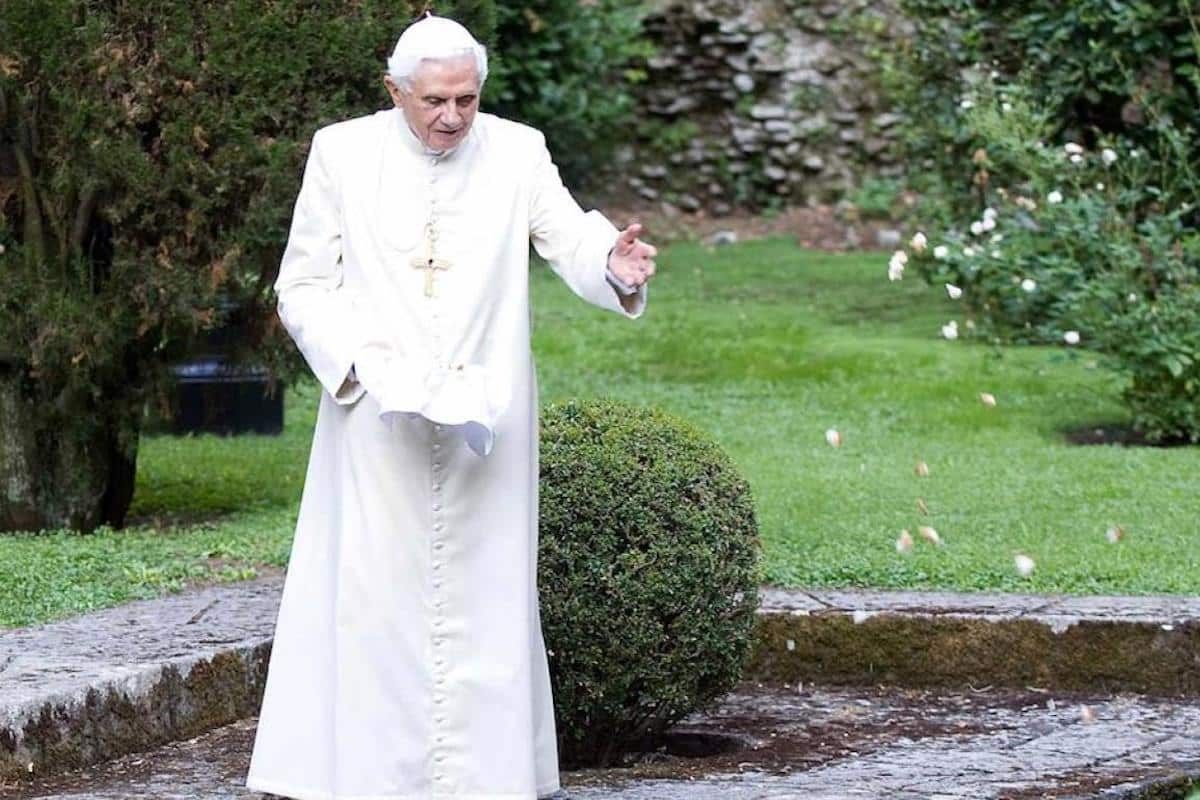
[(763, 102)]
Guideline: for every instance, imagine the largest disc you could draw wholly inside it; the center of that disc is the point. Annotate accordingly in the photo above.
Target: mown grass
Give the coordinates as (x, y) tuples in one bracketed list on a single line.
[(764, 346)]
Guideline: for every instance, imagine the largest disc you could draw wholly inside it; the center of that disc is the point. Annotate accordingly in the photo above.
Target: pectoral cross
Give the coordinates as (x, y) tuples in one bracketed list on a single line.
[(430, 262)]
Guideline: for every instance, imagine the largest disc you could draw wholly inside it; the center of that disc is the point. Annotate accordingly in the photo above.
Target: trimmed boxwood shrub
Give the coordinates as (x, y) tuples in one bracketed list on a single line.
[(649, 568)]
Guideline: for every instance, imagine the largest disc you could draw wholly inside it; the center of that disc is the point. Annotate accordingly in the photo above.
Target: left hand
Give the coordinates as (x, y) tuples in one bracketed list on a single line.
[(631, 259)]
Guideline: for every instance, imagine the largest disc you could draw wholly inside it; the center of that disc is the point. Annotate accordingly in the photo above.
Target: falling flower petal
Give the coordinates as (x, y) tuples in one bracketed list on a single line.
[(833, 437), (919, 243), (953, 291), (1071, 337), (1027, 203), (987, 399), (905, 542), (941, 251), (1114, 534), (1024, 565), (921, 470), (922, 506), (929, 534), (1087, 715)]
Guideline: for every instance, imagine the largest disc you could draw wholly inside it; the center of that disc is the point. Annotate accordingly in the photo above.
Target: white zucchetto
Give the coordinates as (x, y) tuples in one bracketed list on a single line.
[(434, 38)]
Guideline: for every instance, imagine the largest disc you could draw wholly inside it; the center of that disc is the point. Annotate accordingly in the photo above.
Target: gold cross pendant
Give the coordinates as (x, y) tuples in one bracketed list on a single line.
[(429, 262)]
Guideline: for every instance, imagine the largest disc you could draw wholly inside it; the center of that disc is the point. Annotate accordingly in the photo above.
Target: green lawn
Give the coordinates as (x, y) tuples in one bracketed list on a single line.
[(765, 347)]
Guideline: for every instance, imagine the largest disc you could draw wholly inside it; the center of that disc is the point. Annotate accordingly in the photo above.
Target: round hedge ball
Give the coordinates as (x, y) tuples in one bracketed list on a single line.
[(648, 574)]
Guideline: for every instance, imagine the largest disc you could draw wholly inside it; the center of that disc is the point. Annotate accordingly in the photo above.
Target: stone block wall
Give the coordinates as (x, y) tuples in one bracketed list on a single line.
[(763, 102)]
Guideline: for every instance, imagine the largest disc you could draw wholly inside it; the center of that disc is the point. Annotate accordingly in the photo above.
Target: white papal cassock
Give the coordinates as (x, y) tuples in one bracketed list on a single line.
[(408, 658)]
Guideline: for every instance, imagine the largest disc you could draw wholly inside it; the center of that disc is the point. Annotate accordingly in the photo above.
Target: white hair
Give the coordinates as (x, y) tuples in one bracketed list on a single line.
[(434, 39)]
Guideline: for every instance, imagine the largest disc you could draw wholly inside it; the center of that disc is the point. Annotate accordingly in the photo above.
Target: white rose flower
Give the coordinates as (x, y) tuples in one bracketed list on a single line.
[(1072, 149), (966, 104), (1108, 156), (1024, 565), (1135, 153), (1054, 197), (1071, 337), (953, 291), (968, 251), (977, 228), (919, 242), (1077, 159), (941, 251), (1006, 107), (997, 238), (895, 271), (996, 254), (900, 257), (1132, 297), (990, 213), (1100, 186), (989, 223), (1029, 285), (950, 330)]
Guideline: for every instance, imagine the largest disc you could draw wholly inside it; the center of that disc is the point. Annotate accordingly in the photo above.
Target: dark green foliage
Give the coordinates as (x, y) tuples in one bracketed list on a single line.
[(563, 66), (1094, 103), (1102, 68), (649, 567), (150, 154)]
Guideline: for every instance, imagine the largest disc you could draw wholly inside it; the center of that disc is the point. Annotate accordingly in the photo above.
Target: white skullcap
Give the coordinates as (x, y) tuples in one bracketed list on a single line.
[(434, 39)]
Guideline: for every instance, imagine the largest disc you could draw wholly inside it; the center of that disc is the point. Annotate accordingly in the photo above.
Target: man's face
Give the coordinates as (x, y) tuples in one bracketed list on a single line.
[(443, 101)]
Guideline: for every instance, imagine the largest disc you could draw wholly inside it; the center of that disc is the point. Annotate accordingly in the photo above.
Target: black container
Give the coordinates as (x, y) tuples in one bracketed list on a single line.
[(213, 397)]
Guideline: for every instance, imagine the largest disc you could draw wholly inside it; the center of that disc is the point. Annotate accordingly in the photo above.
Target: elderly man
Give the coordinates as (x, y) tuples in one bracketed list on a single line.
[(408, 658)]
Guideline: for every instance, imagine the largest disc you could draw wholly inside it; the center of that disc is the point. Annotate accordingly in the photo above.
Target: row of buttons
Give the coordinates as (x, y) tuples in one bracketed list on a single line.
[(439, 641)]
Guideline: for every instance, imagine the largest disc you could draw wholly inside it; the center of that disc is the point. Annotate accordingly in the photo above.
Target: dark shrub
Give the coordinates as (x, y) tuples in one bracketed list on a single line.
[(648, 574), (150, 154)]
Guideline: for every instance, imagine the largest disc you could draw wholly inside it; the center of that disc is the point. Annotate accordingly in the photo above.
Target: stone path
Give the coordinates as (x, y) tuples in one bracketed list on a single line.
[(798, 744), (91, 689)]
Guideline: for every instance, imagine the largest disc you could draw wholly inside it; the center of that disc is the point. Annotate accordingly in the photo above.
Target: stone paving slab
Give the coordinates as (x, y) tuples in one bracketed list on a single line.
[(104, 684), (798, 744), (89, 689)]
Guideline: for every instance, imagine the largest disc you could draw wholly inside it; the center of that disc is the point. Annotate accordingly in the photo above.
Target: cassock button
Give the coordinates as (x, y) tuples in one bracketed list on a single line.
[(437, 506), (438, 546), (436, 447), (438, 526)]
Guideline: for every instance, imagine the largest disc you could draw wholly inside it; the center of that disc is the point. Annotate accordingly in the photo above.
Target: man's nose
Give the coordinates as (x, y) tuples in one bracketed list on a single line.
[(452, 117)]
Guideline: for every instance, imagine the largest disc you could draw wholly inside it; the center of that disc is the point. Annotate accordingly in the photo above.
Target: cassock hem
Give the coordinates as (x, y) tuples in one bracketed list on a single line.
[(297, 793)]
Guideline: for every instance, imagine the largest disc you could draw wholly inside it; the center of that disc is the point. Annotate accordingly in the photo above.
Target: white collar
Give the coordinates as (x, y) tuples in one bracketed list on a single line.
[(414, 144)]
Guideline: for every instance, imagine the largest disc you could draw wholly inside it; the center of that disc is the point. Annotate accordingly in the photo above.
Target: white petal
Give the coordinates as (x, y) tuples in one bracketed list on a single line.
[(833, 437), (1071, 337), (953, 291), (929, 534), (1024, 565), (905, 542), (941, 251)]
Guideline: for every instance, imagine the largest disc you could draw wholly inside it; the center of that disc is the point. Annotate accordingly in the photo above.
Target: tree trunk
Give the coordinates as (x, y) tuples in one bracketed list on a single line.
[(73, 472)]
